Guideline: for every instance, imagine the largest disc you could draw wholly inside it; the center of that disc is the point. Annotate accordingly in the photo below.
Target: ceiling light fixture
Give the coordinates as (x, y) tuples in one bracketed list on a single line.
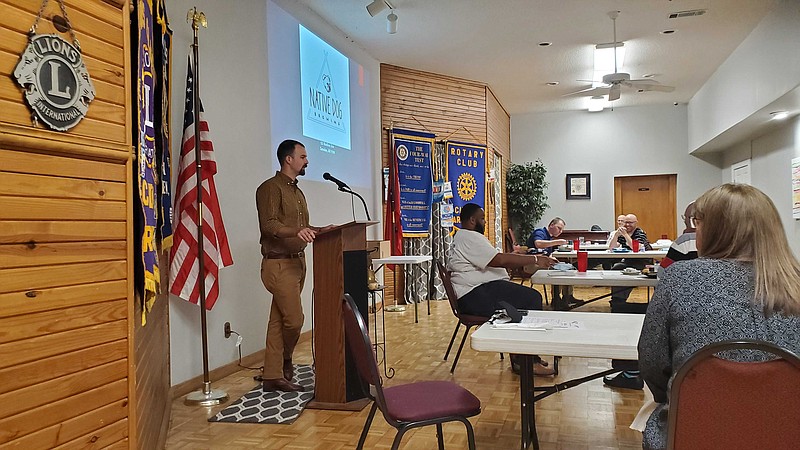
[(604, 60), (779, 115), (596, 103), (391, 23), (377, 6)]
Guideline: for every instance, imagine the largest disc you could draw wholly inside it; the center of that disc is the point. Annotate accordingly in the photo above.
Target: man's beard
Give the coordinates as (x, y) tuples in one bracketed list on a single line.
[(480, 228), (302, 171)]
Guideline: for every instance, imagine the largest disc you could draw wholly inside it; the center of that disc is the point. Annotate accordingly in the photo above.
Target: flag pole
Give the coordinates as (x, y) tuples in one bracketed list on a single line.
[(206, 396)]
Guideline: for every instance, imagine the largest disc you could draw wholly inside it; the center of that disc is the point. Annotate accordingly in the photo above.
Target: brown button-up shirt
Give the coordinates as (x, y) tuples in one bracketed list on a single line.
[(280, 203)]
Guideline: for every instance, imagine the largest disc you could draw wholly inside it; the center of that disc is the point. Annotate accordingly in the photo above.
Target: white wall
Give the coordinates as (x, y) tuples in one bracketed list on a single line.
[(233, 77), (763, 68), (626, 141), (770, 170)]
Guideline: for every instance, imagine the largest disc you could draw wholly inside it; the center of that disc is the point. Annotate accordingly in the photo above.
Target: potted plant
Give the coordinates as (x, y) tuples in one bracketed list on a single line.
[(526, 194)]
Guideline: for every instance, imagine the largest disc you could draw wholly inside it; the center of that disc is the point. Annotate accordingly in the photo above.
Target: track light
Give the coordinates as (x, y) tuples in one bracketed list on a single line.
[(391, 23), (376, 7)]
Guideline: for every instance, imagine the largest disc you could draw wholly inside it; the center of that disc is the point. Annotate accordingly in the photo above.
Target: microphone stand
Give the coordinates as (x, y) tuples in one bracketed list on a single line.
[(351, 192)]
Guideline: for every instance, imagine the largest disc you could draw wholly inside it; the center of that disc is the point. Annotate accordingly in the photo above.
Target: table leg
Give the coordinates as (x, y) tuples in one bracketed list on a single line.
[(430, 288), (528, 411), (380, 342), (390, 372), (413, 298)]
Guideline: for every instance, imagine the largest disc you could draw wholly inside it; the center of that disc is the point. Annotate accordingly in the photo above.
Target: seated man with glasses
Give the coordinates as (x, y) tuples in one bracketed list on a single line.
[(624, 237), (545, 241), (685, 247)]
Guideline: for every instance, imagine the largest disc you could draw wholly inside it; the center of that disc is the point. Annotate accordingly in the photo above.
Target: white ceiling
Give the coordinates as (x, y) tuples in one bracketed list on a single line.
[(496, 42)]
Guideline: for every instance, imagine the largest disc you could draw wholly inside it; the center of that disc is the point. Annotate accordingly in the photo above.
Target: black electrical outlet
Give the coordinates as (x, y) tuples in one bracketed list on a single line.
[(227, 330)]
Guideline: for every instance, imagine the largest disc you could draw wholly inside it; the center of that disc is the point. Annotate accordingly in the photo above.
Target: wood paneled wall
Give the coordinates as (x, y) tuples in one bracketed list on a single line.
[(498, 138), (152, 365), (66, 279), (451, 108)]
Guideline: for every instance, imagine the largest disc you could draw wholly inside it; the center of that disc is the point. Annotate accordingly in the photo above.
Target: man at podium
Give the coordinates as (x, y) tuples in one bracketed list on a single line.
[(285, 232)]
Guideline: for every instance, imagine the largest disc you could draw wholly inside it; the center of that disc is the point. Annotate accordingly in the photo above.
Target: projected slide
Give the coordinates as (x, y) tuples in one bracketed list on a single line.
[(323, 97), (325, 90)]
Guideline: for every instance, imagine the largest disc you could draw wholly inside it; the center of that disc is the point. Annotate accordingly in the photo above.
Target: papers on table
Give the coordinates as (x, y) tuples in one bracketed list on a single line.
[(541, 324)]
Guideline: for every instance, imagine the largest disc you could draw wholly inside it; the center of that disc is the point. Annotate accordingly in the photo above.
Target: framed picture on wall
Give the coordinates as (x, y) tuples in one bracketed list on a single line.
[(579, 186)]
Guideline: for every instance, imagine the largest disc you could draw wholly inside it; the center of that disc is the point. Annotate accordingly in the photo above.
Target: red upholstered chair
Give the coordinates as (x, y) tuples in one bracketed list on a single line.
[(410, 405), (463, 319), (716, 403)]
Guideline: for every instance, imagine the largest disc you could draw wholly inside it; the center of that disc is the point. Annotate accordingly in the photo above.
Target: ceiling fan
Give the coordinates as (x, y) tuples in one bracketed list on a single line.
[(613, 82)]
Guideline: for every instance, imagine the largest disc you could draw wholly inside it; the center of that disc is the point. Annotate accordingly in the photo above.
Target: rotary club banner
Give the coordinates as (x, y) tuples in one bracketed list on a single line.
[(412, 152), (466, 170)]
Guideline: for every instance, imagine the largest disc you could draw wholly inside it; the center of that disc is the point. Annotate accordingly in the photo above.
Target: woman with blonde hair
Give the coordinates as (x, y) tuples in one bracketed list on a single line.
[(744, 285)]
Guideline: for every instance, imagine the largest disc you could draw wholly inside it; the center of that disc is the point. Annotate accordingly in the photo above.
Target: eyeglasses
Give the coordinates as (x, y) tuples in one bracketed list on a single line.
[(692, 220)]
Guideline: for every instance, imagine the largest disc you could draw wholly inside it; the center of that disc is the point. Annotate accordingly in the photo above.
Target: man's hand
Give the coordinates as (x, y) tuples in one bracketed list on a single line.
[(545, 262), (623, 231), (306, 234), (561, 242), (323, 229)]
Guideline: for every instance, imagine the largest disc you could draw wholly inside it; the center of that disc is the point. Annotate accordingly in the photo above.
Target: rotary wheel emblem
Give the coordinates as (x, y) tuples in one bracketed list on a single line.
[(467, 186)]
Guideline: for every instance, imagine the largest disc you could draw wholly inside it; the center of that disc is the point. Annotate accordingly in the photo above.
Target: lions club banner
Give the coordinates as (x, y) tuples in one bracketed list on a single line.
[(146, 149), (466, 170), (412, 151)]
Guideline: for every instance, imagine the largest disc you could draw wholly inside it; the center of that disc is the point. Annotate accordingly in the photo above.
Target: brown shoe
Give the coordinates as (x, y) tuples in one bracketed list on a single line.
[(280, 384), (541, 371), (288, 369)]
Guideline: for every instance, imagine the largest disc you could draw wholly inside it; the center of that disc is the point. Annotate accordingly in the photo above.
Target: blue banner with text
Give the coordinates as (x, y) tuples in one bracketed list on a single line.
[(466, 169), (413, 151)]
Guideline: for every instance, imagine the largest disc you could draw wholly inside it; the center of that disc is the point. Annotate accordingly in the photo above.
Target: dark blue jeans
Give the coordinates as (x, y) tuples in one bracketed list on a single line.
[(483, 300)]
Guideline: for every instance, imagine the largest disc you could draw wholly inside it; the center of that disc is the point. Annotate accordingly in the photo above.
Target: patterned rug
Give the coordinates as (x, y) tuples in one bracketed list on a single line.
[(258, 406)]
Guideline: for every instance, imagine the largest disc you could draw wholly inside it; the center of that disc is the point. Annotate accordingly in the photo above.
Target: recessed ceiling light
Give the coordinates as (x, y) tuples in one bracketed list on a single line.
[(648, 75), (545, 44), (779, 115), (667, 31), (552, 83)]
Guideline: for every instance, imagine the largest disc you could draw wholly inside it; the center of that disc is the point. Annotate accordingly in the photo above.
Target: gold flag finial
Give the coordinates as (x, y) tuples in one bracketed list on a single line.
[(197, 18)]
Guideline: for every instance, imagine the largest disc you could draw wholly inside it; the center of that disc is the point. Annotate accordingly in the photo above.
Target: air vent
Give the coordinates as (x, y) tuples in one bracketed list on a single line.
[(689, 13)]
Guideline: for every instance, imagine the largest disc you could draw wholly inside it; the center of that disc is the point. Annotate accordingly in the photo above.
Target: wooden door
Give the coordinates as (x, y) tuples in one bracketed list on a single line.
[(652, 198)]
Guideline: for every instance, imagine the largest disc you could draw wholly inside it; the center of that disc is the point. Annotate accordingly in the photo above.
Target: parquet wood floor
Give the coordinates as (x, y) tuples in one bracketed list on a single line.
[(589, 416)]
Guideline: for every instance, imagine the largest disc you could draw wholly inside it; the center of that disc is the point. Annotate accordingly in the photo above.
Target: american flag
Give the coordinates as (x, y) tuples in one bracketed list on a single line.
[(184, 267)]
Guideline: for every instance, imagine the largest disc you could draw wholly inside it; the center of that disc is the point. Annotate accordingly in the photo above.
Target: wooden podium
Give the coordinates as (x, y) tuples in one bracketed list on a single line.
[(340, 266)]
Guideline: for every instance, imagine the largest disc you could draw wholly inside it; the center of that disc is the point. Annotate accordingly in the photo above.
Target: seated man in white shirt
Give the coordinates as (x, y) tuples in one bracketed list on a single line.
[(479, 275)]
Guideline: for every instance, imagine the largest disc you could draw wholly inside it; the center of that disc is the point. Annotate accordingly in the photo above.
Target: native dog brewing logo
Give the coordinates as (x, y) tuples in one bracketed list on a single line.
[(56, 82)]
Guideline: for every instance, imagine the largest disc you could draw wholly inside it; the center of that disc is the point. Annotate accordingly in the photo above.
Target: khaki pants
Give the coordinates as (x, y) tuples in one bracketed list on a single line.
[(284, 279)]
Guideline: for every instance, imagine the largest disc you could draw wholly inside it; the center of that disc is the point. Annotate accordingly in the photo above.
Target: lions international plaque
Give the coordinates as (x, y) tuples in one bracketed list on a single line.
[(55, 80)]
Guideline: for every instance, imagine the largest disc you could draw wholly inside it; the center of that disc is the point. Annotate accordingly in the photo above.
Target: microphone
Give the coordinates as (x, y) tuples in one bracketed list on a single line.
[(340, 183), (345, 188)]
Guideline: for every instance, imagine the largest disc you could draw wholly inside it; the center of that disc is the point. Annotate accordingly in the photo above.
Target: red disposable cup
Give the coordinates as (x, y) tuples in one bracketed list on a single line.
[(635, 245), (583, 261), (576, 244)]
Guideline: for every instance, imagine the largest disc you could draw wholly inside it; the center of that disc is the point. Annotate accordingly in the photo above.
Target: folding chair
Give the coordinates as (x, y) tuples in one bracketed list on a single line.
[(410, 405)]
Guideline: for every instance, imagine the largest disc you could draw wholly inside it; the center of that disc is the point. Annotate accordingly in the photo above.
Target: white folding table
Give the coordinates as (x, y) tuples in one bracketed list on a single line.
[(378, 263), (605, 278), (606, 336), (649, 254)]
